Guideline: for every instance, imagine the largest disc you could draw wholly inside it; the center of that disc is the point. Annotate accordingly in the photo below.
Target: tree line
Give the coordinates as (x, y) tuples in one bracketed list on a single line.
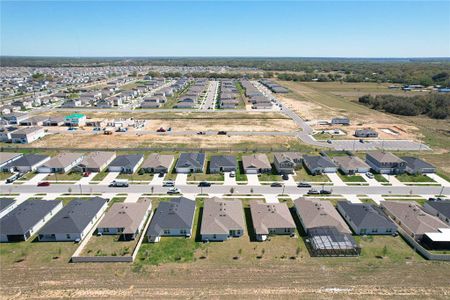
[(436, 106)]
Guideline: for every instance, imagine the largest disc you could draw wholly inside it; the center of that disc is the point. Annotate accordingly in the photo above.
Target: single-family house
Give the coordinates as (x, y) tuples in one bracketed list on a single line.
[(191, 163), (54, 121), (222, 219), (61, 163), (271, 219), (8, 157), (350, 164), (27, 218), (96, 161), (222, 163), (33, 121), (172, 218), (15, 118), (365, 132), (6, 206), (319, 164), (256, 164), (366, 219), (340, 121), (385, 162), (415, 221), (27, 135), (439, 208), (416, 165), (158, 163), (125, 219), (75, 120), (126, 163), (286, 163), (74, 221), (5, 133), (26, 163)]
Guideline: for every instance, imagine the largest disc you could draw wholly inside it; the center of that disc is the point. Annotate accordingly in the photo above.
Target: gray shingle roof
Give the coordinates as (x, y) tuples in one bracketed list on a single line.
[(364, 215), (126, 161), (314, 162), (27, 160), (74, 217), (187, 160), (414, 162), (5, 202), (443, 207), (177, 213), (25, 216), (218, 161)]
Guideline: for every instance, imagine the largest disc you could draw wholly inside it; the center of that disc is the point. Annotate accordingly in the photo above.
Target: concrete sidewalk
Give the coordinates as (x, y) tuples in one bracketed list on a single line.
[(37, 178), (86, 180), (157, 180), (181, 179), (439, 179), (334, 177), (109, 178), (228, 180), (392, 180)]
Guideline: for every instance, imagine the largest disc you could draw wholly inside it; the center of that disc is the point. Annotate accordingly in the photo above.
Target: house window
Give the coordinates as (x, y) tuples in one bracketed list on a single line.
[(166, 231), (183, 231), (105, 229), (363, 231), (67, 236)]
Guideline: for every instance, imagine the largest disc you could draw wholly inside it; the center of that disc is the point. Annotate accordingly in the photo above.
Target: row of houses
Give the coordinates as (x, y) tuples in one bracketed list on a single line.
[(193, 95), (257, 99), (274, 87), (329, 230), (229, 96)]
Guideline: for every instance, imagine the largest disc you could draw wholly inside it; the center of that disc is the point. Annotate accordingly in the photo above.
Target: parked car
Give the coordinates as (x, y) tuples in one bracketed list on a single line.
[(43, 183), (329, 141), (161, 174), (160, 130), (169, 129), (201, 133), (119, 183), (168, 184), (86, 174), (14, 177), (204, 184), (276, 184), (361, 140), (303, 185), (369, 175), (325, 192), (313, 192), (222, 132), (173, 191), (232, 174), (285, 177), (72, 128)]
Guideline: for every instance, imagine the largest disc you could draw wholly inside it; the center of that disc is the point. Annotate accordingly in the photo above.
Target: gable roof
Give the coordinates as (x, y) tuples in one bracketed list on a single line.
[(6, 156), (74, 217), (218, 161), (411, 215), (156, 160), (125, 215), (196, 160), (27, 160), (318, 161), (5, 202), (256, 161), (178, 213), (350, 162), (62, 160), (319, 213), (442, 206), (21, 219), (288, 156), (126, 161), (220, 216), (267, 216), (416, 163), (96, 159), (364, 215), (386, 157)]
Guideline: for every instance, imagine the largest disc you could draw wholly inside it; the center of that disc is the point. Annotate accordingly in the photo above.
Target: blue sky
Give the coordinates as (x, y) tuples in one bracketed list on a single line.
[(233, 28)]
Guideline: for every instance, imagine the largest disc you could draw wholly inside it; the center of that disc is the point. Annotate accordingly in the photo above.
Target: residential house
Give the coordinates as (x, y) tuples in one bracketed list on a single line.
[(366, 219), (256, 164), (340, 121), (366, 132), (126, 163), (286, 163), (385, 162), (6, 206), (27, 135), (416, 165), (191, 163), (319, 164), (439, 208), (54, 121), (172, 218), (222, 163), (8, 157), (417, 223), (74, 221), (27, 218), (15, 118), (158, 163), (125, 219), (33, 121), (222, 219), (350, 164), (61, 163), (271, 219), (26, 163), (5, 133), (75, 120), (96, 161)]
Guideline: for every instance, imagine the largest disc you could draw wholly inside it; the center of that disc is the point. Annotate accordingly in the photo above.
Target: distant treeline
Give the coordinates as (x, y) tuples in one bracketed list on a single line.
[(436, 106), (210, 75)]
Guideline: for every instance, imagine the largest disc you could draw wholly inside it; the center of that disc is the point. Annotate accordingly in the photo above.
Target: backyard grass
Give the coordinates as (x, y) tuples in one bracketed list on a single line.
[(393, 249), (108, 245), (414, 178), (303, 175)]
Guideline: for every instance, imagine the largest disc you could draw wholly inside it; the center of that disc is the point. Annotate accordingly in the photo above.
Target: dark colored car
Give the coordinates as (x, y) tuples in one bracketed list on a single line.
[(161, 175), (276, 184), (204, 184), (43, 183), (325, 192), (201, 133), (161, 130), (222, 132), (285, 177), (303, 185)]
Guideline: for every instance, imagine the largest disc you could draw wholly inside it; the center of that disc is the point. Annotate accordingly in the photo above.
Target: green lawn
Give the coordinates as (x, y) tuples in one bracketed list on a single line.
[(303, 175), (136, 176), (414, 178), (269, 177), (70, 176), (351, 178), (108, 245), (5, 175), (205, 177), (28, 176), (380, 178), (393, 249), (100, 176)]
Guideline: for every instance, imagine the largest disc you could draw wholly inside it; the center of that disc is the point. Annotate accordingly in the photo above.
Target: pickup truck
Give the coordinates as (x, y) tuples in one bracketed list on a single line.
[(119, 183)]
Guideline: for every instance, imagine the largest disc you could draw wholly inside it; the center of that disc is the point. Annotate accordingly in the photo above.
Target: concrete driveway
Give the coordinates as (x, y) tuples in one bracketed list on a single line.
[(371, 181), (181, 179), (228, 180), (157, 180), (132, 198), (109, 178), (439, 179), (334, 177), (290, 181), (37, 178), (392, 180), (86, 180), (253, 179)]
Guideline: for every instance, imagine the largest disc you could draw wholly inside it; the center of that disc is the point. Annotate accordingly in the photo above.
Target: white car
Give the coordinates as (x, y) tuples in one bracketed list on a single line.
[(232, 174), (173, 191), (369, 175)]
